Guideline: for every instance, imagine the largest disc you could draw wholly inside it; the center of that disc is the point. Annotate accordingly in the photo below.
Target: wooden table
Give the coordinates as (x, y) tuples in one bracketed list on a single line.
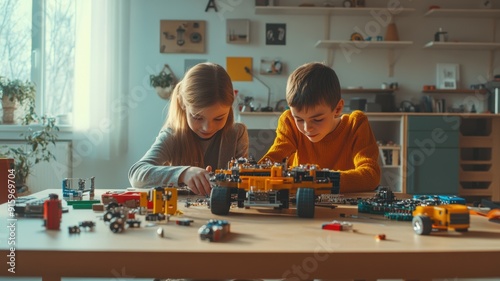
[(264, 243)]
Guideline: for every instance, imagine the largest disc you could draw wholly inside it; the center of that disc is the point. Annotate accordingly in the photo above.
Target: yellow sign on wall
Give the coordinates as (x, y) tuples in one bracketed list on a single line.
[(235, 67)]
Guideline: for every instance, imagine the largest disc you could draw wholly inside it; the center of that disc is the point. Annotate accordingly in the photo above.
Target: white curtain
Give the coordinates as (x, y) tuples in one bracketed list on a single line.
[(102, 69)]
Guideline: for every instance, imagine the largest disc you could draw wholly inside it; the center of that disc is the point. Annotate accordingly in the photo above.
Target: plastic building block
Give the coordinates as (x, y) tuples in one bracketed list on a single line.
[(441, 217), (214, 230), (337, 225), (271, 185), (74, 229), (185, 222), (87, 224), (52, 212)]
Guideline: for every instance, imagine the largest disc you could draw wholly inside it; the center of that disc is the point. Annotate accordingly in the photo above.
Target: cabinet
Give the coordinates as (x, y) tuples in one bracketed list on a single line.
[(479, 158), (432, 155), (388, 128)]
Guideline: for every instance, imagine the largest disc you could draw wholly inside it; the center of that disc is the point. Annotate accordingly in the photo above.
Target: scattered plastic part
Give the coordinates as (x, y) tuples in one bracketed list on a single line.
[(185, 222), (74, 229), (160, 232), (492, 215), (214, 230), (337, 225)]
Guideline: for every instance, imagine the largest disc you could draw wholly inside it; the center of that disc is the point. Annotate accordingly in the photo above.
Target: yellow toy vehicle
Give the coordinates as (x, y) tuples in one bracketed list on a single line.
[(271, 185), (441, 217)]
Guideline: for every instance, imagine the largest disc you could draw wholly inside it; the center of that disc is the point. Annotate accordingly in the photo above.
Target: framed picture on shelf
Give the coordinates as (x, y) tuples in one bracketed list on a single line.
[(447, 75)]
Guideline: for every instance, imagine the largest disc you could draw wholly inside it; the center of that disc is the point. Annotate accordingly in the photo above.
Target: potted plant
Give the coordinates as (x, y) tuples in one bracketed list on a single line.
[(37, 148), (164, 82), (16, 92)]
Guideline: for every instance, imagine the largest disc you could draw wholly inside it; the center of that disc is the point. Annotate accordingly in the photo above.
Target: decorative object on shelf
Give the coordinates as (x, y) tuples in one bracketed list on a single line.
[(389, 153), (429, 87), (356, 37), (391, 33), (360, 3), (394, 86), (281, 106), (237, 31), (348, 3), (178, 36), (357, 104), (39, 139), (447, 75), (275, 34), (16, 92), (441, 36), (270, 66), (407, 106), (164, 82)]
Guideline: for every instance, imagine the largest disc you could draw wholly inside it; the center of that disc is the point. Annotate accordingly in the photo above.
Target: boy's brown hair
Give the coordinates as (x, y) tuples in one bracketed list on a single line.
[(312, 84)]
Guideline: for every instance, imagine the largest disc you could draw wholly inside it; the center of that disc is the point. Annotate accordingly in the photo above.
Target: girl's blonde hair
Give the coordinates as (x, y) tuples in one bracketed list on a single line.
[(204, 85)]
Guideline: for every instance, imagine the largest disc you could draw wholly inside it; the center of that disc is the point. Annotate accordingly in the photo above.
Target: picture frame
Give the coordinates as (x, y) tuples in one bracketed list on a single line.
[(237, 31), (275, 33), (447, 76), (182, 36)]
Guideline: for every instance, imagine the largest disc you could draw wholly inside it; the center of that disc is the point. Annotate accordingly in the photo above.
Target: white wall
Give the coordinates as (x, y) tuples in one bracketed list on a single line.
[(415, 66)]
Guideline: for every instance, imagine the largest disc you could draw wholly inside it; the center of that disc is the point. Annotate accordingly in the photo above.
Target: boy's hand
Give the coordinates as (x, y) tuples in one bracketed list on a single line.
[(197, 179)]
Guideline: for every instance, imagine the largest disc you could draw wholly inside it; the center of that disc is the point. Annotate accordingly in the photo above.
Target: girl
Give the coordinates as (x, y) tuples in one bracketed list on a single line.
[(199, 132)]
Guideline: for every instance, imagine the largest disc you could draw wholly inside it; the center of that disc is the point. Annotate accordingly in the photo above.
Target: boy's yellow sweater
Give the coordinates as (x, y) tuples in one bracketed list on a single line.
[(351, 149)]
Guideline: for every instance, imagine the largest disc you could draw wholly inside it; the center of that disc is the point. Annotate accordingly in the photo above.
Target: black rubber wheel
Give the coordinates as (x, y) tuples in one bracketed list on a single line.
[(305, 203), (284, 198), (220, 201), (422, 225), (242, 194), (116, 225)]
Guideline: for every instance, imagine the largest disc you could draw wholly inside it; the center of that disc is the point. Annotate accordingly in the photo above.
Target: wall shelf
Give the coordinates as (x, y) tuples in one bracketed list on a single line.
[(363, 44), (367, 91), (464, 13), (348, 44), (328, 11), (454, 91), (463, 45)]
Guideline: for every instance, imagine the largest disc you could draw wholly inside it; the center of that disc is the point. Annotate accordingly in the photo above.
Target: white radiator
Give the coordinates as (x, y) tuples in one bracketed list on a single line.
[(49, 175)]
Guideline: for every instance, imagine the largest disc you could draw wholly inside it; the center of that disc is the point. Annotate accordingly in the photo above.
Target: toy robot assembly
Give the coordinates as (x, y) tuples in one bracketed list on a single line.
[(248, 184)]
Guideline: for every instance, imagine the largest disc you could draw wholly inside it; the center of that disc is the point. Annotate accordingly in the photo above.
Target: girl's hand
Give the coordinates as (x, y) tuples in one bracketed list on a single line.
[(197, 179)]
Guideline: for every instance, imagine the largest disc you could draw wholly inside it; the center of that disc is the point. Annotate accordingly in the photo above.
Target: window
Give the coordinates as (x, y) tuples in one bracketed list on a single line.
[(37, 43)]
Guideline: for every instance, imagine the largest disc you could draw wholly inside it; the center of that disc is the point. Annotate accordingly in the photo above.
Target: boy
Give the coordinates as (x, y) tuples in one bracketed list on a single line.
[(314, 130)]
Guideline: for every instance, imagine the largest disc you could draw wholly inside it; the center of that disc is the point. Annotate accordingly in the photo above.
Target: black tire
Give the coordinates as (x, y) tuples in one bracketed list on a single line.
[(112, 205), (422, 225), (242, 194), (220, 201), (116, 225), (305, 203), (284, 198)]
